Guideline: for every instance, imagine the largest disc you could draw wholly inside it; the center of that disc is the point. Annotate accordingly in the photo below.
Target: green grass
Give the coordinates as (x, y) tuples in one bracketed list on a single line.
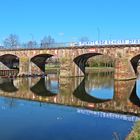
[(135, 134)]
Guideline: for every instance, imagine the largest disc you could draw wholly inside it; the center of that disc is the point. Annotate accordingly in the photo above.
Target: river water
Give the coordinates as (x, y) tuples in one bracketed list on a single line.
[(94, 107)]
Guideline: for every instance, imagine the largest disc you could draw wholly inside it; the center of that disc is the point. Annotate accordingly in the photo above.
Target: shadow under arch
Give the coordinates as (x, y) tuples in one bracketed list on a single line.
[(81, 93), (82, 59), (133, 97), (40, 89), (7, 85), (10, 60), (134, 61), (40, 60)]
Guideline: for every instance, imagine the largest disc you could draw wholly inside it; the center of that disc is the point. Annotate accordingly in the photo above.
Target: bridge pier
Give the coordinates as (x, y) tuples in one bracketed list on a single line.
[(26, 67), (69, 69), (124, 69), (35, 69)]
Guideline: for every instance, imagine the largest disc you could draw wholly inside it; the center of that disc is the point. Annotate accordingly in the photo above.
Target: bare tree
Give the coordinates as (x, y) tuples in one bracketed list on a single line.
[(31, 44), (47, 41), (12, 41)]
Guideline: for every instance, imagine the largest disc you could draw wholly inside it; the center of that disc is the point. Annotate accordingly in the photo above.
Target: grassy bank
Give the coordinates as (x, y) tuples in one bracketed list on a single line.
[(52, 69), (101, 69), (135, 134), (87, 69)]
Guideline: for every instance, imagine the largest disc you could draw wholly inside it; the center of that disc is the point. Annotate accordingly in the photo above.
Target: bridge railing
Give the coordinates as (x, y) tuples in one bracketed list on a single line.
[(34, 45), (38, 46)]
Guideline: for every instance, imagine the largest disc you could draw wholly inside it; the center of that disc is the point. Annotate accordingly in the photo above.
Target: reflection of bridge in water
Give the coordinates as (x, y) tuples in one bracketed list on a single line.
[(108, 115), (72, 92)]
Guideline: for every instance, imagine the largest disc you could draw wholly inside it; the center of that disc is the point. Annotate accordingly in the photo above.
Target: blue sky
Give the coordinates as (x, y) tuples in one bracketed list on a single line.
[(69, 20)]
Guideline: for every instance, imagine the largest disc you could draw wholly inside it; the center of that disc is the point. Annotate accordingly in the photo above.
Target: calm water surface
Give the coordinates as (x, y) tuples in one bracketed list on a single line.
[(92, 108)]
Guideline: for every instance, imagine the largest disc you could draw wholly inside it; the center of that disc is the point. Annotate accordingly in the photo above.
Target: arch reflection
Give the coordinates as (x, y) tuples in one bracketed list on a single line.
[(41, 88), (81, 93), (100, 84), (7, 85), (134, 97)]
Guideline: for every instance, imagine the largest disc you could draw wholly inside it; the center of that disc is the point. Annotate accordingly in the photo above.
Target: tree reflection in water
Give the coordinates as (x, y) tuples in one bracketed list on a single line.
[(100, 85), (73, 92)]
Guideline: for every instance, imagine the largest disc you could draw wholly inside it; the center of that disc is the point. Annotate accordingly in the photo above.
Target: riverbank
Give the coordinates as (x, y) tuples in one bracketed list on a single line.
[(135, 133), (99, 69), (53, 70), (87, 69)]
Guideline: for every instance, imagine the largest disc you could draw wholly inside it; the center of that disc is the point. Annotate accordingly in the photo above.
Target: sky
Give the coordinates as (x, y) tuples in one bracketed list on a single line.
[(69, 20)]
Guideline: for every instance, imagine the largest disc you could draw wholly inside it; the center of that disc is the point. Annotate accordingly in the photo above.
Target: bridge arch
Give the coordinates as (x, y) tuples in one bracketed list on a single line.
[(134, 61), (81, 60), (134, 97), (40, 59), (10, 61)]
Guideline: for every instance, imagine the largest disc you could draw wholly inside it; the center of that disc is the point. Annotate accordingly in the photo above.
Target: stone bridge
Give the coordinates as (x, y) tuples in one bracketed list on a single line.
[(73, 59)]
